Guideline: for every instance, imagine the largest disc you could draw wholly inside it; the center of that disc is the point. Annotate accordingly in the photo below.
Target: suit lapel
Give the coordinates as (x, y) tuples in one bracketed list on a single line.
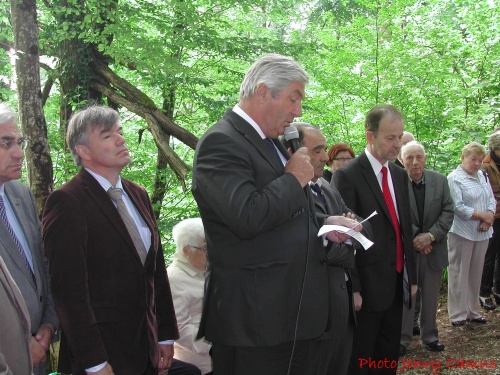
[(145, 214), (372, 183), (15, 203), (328, 209), (312, 209), (430, 186), (251, 135), (413, 202), (107, 208), (396, 182)]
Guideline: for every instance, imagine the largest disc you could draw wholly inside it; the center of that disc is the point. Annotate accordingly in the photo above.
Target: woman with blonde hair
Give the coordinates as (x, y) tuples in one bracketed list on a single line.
[(469, 234)]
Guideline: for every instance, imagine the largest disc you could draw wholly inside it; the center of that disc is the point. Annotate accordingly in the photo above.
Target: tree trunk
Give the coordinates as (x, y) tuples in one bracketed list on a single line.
[(31, 116)]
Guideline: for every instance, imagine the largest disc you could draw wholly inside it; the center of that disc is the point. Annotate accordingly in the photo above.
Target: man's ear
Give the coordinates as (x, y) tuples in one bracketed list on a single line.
[(369, 136), (83, 152), (261, 91)]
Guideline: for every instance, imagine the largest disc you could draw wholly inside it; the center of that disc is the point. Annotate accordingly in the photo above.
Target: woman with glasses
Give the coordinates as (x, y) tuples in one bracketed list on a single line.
[(187, 279), (338, 155)]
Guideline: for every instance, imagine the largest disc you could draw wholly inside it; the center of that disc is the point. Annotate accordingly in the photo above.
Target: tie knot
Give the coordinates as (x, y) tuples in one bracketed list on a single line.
[(384, 170), (115, 194), (316, 188)]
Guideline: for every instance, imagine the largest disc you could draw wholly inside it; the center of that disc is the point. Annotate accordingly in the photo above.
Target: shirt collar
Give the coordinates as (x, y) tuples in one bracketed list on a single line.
[(318, 182), (421, 181), (237, 109), (376, 165), (105, 184), (182, 262)]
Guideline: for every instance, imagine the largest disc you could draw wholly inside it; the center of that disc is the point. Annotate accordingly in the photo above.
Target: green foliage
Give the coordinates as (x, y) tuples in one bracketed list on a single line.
[(436, 60)]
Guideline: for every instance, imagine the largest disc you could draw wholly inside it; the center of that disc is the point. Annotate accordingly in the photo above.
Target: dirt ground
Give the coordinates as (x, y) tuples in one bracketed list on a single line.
[(470, 349)]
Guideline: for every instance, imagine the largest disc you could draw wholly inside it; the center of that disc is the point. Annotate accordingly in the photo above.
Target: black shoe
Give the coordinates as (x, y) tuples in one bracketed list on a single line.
[(434, 346), (416, 331), (487, 303), (402, 350), (458, 323), (497, 298), (480, 320)]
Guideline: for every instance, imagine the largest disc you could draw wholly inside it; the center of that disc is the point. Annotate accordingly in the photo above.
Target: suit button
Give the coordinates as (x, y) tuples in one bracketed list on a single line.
[(343, 286), (322, 261)]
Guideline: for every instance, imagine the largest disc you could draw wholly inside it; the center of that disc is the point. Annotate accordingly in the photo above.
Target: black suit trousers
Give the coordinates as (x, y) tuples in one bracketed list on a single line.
[(271, 360), (380, 330)]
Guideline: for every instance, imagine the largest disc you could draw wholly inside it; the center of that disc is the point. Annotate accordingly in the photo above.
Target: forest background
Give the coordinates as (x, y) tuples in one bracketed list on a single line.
[(171, 68)]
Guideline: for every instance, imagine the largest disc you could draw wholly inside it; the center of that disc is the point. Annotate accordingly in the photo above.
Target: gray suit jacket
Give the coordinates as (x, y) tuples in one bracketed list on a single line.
[(15, 332), (437, 217), (38, 298), (340, 259)]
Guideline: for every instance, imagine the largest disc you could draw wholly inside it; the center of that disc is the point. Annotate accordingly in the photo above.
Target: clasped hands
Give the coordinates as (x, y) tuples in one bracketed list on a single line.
[(39, 344), (346, 220), (422, 243)]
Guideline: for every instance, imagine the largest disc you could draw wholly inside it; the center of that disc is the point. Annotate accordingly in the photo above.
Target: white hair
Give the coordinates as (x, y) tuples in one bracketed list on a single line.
[(188, 232), (7, 114), (273, 70), (415, 144)]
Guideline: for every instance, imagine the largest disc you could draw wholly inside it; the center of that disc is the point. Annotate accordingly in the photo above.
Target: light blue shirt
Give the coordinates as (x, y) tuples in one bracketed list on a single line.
[(469, 194), (16, 227)]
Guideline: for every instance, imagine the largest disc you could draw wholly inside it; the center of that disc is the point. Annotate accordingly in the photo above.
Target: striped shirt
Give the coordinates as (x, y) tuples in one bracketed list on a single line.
[(470, 194)]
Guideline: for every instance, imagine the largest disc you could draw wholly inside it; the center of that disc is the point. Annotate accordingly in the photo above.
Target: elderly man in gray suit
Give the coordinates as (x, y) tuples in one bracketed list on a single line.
[(432, 215), (21, 244), (339, 256)]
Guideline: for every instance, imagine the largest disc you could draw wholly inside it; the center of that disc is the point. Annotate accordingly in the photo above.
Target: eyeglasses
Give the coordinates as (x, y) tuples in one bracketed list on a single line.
[(9, 144), (204, 249), (342, 159)]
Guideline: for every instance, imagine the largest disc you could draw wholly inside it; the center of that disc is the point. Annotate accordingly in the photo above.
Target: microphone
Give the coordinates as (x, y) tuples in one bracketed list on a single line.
[(292, 137)]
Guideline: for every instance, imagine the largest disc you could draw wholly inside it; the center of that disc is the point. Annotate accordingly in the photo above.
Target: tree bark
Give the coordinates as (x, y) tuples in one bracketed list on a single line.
[(31, 116)]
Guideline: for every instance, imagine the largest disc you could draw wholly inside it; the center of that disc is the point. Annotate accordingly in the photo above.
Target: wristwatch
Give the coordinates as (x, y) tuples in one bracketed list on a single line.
[(432, 237)]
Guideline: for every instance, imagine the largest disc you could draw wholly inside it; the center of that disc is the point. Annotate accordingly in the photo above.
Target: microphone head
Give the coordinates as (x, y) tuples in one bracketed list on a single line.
[(291, 132)]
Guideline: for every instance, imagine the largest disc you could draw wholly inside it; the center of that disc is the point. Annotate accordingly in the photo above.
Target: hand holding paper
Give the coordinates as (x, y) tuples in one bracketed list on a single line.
[(340, 228), (345, 223)]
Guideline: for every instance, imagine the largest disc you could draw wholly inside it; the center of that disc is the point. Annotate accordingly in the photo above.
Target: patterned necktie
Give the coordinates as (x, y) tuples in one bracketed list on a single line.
[(319, 192), (394, 219), (3, 215), (116, 195)]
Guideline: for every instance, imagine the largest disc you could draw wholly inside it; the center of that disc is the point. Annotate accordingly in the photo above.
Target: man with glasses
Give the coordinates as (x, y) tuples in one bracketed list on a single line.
[(21, 244)]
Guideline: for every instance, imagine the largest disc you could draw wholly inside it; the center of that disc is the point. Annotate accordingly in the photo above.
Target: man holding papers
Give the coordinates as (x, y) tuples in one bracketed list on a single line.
[(340, 256), (387, 269)]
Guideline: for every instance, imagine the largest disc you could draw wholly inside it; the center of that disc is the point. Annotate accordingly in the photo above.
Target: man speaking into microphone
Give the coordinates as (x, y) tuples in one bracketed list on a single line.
[(267, 282)]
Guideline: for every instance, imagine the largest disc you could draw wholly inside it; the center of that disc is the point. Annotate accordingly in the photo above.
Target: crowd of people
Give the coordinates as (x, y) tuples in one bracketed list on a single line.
[(252, 287)]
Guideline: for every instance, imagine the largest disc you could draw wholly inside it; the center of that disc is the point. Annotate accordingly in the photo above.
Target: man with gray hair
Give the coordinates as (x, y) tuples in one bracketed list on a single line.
[(21, 245), (407, 137), (106, 261), (266, 297), (432, 211)]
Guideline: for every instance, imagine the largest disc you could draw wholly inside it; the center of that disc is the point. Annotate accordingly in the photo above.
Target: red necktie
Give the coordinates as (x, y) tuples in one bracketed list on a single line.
[(394, 219)]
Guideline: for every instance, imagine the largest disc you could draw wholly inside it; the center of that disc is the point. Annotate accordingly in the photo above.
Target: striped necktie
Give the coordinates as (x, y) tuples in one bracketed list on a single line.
[(3, 216)]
